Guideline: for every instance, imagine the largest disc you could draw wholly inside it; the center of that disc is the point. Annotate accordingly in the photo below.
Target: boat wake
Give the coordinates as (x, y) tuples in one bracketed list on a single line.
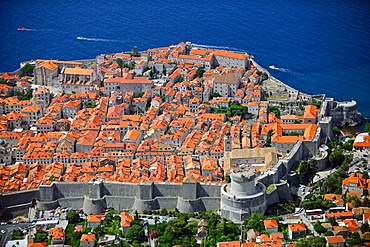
[(38, 30), (99, 39), (214, 47), (281, 69)]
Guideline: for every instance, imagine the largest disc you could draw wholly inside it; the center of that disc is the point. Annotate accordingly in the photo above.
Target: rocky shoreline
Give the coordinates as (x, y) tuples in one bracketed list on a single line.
[(291, 95)]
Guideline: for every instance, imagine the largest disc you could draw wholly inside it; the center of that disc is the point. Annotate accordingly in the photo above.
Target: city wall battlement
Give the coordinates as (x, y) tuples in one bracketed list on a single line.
[(96, 195)]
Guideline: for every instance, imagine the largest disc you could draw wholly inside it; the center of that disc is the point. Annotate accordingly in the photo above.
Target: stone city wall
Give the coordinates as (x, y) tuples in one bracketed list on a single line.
[(120, 202), (18, 197), (19, 209), (93, 196)]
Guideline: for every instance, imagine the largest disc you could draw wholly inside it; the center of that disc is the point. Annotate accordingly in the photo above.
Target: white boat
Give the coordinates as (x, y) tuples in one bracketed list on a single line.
[(80, 37), (273, 67)]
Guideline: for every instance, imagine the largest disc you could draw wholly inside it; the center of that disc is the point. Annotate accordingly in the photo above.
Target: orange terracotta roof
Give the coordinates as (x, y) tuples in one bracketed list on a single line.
[(335, 239), (229, 244), (126, 219), (78, 71), (87, 238), (297, 227), (39, 244), (94, 218), (230, 54), (310, 111), (270, 224)]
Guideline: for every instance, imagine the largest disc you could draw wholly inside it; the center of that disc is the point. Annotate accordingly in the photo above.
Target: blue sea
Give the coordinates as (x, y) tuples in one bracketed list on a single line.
[(318, 46)]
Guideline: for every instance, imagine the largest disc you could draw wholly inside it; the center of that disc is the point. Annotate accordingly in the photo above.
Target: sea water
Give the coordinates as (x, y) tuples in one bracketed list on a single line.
[(317, 46)]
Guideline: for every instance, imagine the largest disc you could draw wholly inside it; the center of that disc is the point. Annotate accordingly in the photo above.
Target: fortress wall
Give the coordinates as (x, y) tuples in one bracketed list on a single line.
[(93, 206), (208, 190), (189, 190), (48, 205), (120, 202), (296, 154), (141, 205), (18, 197), (167, 202), (66, 190), (324, 109), (120, 189), (249, 202), (270, 176), (326, 125), (18, 210), (190, 205), (283, 190), (145, 190), (47, 192), (272, 197), (345, 113), (212, 203), (293, 179), (95, 189), (76, 202), (167, 190)]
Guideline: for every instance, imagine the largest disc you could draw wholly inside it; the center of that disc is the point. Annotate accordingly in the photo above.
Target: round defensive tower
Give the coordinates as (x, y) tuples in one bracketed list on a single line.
[(243, 182), (243, 196)]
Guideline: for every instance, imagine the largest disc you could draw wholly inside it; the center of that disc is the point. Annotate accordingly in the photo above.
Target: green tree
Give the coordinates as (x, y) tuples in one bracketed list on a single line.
[(367, 128), (27, 96), (41, 236), (237, 109), (270, 133), (307, 170), (135, 232), (200, 71), (348, 145), (354, 240), (28, 69), (328, 233), (336, 131), (319, 228), (73, 217), (275, 110), (17, 235), (354, 200), (312, 242), (215, 95), (90, 104), (120, 63), (73, 237), (336, 157), (256, 222), (138, 95), (332, 221), (317, 104)]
